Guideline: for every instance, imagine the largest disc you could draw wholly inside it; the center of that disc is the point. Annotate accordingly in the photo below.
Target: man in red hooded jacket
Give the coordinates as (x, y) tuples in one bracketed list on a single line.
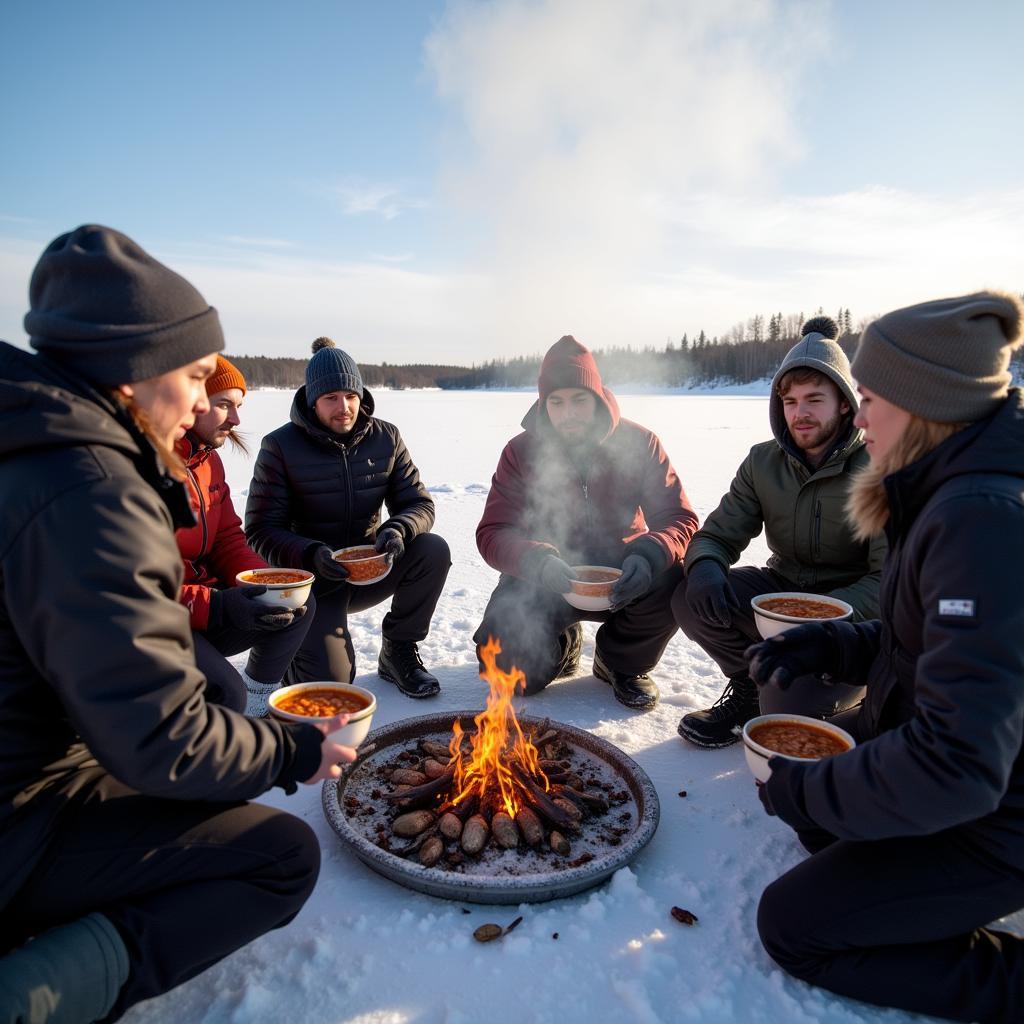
[(225, 618), (581, 486)]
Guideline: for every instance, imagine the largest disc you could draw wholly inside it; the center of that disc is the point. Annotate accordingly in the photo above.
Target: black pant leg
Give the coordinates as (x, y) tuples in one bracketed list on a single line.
[(527, 620), (224, 685), (184, 883), (901, 923)]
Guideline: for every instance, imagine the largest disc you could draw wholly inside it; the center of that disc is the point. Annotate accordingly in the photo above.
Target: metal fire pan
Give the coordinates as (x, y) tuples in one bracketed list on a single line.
[(545, 884)]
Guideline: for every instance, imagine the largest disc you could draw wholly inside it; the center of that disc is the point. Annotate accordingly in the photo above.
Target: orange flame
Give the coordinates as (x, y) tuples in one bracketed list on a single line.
[(498, 741)]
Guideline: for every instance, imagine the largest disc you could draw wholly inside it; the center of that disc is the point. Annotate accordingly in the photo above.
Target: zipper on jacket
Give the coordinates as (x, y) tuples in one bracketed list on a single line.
[(817, 529), (202, 510)]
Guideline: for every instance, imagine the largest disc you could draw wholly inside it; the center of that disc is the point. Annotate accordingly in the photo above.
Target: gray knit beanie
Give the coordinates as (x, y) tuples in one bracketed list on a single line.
[(945, 360), (102, 306), (330, 369)]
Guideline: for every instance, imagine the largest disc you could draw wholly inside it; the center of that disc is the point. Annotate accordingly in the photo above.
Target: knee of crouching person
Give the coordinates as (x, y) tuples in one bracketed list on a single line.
[(775, 926)]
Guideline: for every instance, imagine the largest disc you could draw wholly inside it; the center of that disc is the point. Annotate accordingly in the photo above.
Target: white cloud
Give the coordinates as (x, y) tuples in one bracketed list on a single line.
[(383, 200), (258, 243)]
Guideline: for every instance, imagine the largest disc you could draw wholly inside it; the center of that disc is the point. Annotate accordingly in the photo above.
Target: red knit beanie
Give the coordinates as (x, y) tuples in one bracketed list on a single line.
[(568, 364)]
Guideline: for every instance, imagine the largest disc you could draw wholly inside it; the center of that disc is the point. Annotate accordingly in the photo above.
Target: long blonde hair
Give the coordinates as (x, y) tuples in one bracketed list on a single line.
[(867, 507), (167, 455)]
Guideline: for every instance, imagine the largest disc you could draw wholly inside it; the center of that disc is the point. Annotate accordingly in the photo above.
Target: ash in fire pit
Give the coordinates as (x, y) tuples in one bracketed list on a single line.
[(492, 809)]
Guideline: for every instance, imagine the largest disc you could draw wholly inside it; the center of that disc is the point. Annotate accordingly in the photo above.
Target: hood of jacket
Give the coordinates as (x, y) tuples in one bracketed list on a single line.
[(816, 352), (305, 418), (992, 445)]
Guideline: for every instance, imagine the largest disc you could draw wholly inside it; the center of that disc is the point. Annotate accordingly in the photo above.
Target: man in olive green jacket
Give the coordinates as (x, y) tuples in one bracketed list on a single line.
[(795, 487)]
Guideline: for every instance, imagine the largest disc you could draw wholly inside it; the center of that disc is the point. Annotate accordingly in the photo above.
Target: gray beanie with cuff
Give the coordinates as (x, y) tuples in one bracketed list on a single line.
[(946, 360), (330, 369), (103, 307)]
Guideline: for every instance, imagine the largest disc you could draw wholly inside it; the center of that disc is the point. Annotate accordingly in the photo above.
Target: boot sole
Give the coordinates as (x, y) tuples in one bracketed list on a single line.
[(402, 690), (706, 744)]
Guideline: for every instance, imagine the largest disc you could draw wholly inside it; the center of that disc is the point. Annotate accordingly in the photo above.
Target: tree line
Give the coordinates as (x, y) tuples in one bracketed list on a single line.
[(751, 350)]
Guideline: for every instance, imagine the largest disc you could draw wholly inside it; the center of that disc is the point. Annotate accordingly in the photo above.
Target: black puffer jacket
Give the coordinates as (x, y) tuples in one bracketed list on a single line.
[(310, 487), (97, 671), (945, 667)]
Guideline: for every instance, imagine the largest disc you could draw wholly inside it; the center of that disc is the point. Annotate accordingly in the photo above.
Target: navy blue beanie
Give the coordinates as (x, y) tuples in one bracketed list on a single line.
[(101, 305), (330, 369)]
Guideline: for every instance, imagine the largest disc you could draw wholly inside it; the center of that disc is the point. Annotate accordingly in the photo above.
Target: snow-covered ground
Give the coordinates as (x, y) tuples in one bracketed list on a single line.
[(367, 951)]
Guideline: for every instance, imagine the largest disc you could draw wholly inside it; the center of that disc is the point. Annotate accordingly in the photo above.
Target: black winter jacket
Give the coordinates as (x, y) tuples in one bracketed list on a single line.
[(97, 670), (944, 710), (312, 487)]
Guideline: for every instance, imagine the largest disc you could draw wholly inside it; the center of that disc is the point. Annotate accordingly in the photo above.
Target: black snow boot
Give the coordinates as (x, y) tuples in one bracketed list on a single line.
[(399, 662), (571, 641), (714, 726)]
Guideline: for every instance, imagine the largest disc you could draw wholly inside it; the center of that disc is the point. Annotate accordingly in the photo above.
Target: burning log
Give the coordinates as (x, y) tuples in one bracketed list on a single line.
[(546, 808), (425, 792), (475, 834), (505, 830), (530, 826), (412, 824)]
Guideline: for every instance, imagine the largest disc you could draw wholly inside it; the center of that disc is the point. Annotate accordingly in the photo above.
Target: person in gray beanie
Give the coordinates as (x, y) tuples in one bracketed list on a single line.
[(319, 484), (793, 487), (130, 859), (917, 833)]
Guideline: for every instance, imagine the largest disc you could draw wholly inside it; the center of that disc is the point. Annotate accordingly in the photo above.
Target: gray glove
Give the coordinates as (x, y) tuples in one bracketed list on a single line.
[(389, 540), (236, 607), (555, 574), (709, 594), (325, 566), (634, 582)]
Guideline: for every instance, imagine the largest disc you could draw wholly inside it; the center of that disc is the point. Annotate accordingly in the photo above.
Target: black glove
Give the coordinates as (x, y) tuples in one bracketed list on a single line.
[(709, 593), (634, 582), (802, 650), (556, 575), (325, 565), (389, 540), (236, 606), (766, 800)]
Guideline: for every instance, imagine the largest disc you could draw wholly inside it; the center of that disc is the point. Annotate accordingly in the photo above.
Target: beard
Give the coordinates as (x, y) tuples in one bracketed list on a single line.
[(819, 437)]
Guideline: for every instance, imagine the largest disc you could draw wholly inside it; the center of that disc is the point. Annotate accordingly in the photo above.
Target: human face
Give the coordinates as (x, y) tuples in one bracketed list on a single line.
[(814, 415), (882, 422), (172, 400), (337, 410), (571, 412), (214, 426)]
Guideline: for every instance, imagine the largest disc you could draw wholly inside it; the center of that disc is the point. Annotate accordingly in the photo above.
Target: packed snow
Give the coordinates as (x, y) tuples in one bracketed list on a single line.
[(365, 950)]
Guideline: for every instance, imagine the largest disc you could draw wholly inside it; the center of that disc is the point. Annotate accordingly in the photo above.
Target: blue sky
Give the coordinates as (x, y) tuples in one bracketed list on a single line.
[(431, 181)]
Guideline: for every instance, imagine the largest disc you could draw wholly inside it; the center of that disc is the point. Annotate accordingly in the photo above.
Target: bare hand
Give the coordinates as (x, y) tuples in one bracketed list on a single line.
[(331, 753)]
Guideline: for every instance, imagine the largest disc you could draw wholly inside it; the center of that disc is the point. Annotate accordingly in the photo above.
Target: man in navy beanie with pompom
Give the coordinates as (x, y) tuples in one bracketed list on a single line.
[(794, 488), (319, 484)]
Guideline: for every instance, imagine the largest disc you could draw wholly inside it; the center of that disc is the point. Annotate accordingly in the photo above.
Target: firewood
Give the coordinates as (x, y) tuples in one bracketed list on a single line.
[(412, 824), (530, 826), (451, 826), (408, 777), (505, 830), (569, 808), (560, 844), (427, 791), (433, 769), (570, 796), (436, 750), (417, 844), (474, 835), (546, 808), (550, 765), (431, 851)]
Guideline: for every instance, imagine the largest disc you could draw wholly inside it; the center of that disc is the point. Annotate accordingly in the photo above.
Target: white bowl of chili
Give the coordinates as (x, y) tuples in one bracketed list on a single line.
[(592, 587), (794, 737), (317, 702), (775, 613), (364, 562), (286, 588)]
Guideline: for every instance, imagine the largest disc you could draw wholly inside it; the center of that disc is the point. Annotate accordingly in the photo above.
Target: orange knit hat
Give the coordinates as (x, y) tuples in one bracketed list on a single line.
[(227, 375)]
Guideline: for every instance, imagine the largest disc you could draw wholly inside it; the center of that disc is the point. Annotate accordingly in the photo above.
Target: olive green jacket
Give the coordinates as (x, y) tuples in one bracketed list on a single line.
[(801, 510)]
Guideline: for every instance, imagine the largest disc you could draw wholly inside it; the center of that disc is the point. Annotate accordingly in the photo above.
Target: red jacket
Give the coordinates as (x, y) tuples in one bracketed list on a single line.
[(541, 502), (214, 550)]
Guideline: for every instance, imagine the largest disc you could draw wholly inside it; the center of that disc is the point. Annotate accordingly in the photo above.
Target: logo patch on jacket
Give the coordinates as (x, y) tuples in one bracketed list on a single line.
[(960, 607)]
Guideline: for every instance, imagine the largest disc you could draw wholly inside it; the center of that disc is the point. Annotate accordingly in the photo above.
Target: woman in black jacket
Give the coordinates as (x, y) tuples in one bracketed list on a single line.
[(919, 830), (128, 853), (318, 485)]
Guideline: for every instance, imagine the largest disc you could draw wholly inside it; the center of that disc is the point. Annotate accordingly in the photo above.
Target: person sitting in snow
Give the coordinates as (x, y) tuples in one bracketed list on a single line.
[(130, 859), (318, 485), (225, 618), (581, 486), (917, 833), (795, 488)]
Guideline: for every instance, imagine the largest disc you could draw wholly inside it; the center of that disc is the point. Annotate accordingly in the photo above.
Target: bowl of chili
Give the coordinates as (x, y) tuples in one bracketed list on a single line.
[(591, 589), (317, 702), (794, 737), (775, 613), (286, 588), (365, 564)]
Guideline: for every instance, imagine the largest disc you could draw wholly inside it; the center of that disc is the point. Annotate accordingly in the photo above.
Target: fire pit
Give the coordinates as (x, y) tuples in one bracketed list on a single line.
[(492, 808)]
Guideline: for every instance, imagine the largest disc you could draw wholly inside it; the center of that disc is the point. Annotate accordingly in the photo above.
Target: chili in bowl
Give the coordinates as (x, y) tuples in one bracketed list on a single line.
[(775, 613), (794, 737), (364, 562), (592, 587), (317, 702), (286, 588)]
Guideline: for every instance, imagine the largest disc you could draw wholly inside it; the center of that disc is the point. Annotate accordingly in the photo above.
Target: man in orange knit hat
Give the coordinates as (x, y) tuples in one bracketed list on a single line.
[(225, 618)]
